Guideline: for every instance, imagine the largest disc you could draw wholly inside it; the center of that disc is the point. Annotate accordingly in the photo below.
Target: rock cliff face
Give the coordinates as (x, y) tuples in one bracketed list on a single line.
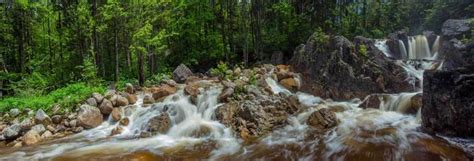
[(339, 69), (448, 102)]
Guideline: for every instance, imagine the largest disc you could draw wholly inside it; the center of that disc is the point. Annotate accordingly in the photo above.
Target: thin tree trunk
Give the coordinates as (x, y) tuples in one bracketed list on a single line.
[(116, 57)]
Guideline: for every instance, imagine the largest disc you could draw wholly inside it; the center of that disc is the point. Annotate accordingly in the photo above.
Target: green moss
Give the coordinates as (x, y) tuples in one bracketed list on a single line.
[(363, 50)]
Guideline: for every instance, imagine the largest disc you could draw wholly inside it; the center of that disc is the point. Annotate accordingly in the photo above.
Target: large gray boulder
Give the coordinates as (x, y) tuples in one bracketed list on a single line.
[(12, 131), (89, 116), (181, 73), (453, 28), (448, 102)]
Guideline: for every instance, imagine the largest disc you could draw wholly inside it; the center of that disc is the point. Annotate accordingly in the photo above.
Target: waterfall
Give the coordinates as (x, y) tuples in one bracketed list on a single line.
[(401, 103), (435, 48), (418, 47), (403, 50)]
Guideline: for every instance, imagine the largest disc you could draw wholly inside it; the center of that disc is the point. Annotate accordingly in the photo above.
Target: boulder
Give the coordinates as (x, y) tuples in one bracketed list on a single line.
[(163, 91), (371, 101), (31, 137), (91, 101), (106, 107), (46, 134), (192, 89), (170, 82), (42, 118), (322, 119), (132, 98), (181, 73), (98, 97), (125, 121), (11, 132), (89, 117), (26, 124), (73, 123), (129, 88), (39, 128), (448, 105), (14, 112), (116, 114), (147, 99), (159, 124), (456, 28), (291, 84), (117, 130), (57, 119), (78, 129), (227, 92), (121, 101)]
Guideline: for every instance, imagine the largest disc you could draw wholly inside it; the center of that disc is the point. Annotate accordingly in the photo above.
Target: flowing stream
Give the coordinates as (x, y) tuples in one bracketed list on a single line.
[(362, 134)]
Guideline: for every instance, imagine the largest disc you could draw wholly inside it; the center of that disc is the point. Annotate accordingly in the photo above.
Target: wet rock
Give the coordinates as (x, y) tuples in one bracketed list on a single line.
[(291, 84), (89, 117), (98, 97), (42, 118), (14, 112), (228, 84), (322, 119), (39, 128), (132, 99), (116, 114), (147, 99), (456, 28), (50, 128), (46, 134), (371, 101), (26, 124), (129, 88), (106, 107), (57, 119), (91, 101), (121, 101), (12, 131), (192, 89), (31, 137), (226, 93), (59, 128), (159, 123), (181, 73), (73, 123), (163, 91), (117, 130), (125, 121), (78, 129), (448, 105), (170, 82)]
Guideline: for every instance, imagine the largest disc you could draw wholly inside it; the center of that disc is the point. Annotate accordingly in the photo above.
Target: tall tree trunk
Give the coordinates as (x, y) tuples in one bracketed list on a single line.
[(116, 56), (141, 72)]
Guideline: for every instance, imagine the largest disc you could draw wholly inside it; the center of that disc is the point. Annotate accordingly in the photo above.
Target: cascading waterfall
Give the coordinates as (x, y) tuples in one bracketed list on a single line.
[(415, 60), (403, 49)]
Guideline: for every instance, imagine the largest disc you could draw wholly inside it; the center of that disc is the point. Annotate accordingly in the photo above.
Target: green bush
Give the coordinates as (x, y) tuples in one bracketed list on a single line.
[(363, 50), (221, 71), (66, 97)]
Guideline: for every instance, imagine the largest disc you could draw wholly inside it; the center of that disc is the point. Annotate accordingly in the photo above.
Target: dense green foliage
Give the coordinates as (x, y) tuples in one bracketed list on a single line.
[(48, 44), (66, 97)]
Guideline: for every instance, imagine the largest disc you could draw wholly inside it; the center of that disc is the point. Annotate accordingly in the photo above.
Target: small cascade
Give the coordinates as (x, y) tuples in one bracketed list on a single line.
[(418, 47), (382, 46), (435, 48), (403, 49), (401, 102)]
